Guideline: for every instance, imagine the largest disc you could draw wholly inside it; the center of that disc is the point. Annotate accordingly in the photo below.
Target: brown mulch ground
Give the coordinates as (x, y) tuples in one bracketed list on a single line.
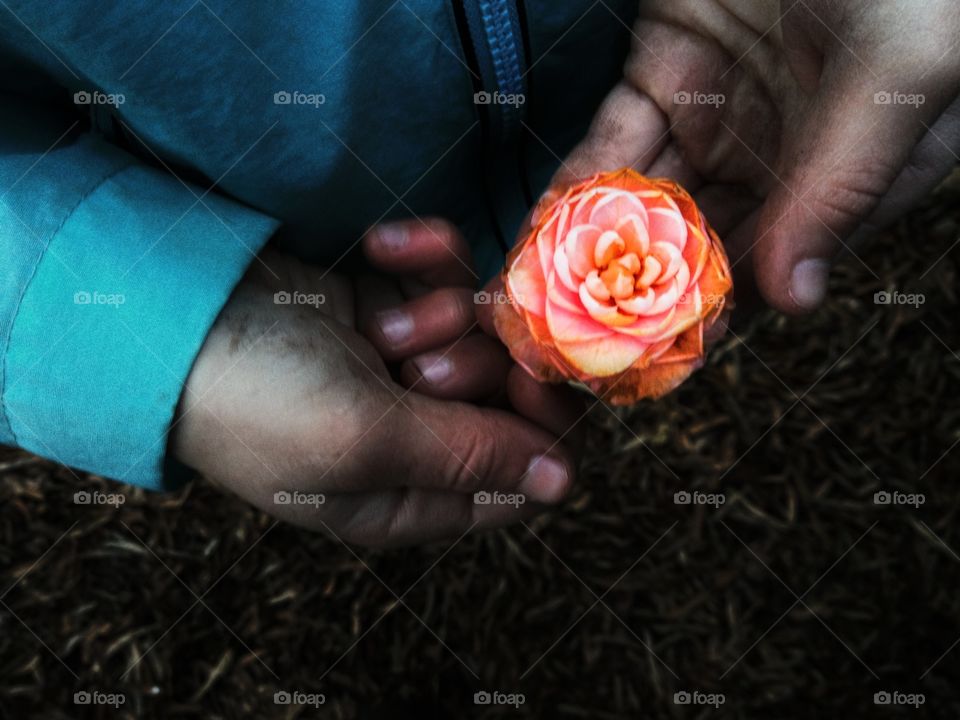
[(798, 597)]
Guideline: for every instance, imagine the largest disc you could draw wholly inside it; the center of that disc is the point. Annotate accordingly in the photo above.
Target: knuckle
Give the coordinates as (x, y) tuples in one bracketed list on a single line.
[(443, 232), (459, 306), (849, 195), (472, 462)]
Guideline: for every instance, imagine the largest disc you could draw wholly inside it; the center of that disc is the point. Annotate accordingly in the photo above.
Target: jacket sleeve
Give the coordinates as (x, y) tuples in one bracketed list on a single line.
[(112, 274)]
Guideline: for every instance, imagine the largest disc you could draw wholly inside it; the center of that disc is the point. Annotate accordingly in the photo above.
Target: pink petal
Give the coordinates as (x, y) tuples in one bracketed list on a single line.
[(615, 205), (639, 304), (651, 271), (667, 296), (562, 269), (550, 235), (604, 357), (596, 286), (601, 312), (584, 203), (580, 244), (689, 310), (669, 256), (667, 226), (633, 230), (560, 295), (652, 328), (526, 282), (573, 327)]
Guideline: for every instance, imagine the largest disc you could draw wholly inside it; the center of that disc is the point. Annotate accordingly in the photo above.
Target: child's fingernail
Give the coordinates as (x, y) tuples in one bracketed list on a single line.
[(392, 236), (434, 369), (546, 481), (808, 282), (396, 325)]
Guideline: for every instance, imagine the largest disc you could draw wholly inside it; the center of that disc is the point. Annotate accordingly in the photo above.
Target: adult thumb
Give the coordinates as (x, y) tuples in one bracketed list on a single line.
[(443, 445), (836, 163)]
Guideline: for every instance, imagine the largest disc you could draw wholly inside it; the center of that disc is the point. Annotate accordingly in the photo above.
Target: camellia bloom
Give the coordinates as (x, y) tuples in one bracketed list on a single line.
[(615, 287)]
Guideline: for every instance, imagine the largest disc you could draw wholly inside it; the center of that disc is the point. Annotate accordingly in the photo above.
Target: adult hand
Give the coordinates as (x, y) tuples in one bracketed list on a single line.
[(796, 123)]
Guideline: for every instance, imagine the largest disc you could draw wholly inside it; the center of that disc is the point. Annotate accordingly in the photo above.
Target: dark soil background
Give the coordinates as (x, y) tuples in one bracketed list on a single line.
[(799, 597)]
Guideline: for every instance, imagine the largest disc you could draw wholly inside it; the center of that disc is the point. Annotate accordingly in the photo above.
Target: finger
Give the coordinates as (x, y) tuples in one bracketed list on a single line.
[(408, 516), (930, 162), (725, 206), (628, 130), (834, 167), (557, 408), (375, 294), (422, 324), (671, 164), (444, 445), (474, 368), (430, 249), (493, 289)]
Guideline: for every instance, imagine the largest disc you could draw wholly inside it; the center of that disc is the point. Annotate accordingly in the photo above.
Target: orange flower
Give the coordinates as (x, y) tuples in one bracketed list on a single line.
[(614, 287)]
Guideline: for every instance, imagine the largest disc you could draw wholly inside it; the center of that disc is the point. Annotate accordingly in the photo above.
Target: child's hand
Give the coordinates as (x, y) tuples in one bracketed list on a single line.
[(291, 397), (796, 122)]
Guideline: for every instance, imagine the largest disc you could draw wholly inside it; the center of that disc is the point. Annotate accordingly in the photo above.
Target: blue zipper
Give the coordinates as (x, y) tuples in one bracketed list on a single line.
[(496, 36)]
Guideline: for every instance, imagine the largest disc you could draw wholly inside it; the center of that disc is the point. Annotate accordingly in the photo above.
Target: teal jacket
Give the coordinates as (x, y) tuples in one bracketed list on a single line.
[(148, 150)]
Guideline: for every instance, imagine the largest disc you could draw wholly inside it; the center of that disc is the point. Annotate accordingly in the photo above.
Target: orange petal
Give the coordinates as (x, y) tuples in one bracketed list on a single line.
[(634, 232), (609, 245), (638, 383), (522, 344), (696, 251), (651, 271), (596, 286), (525, 280), (603, 357)]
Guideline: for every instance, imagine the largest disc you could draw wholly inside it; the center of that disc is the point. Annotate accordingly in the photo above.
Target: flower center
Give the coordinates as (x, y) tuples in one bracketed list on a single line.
[(619, 275)]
